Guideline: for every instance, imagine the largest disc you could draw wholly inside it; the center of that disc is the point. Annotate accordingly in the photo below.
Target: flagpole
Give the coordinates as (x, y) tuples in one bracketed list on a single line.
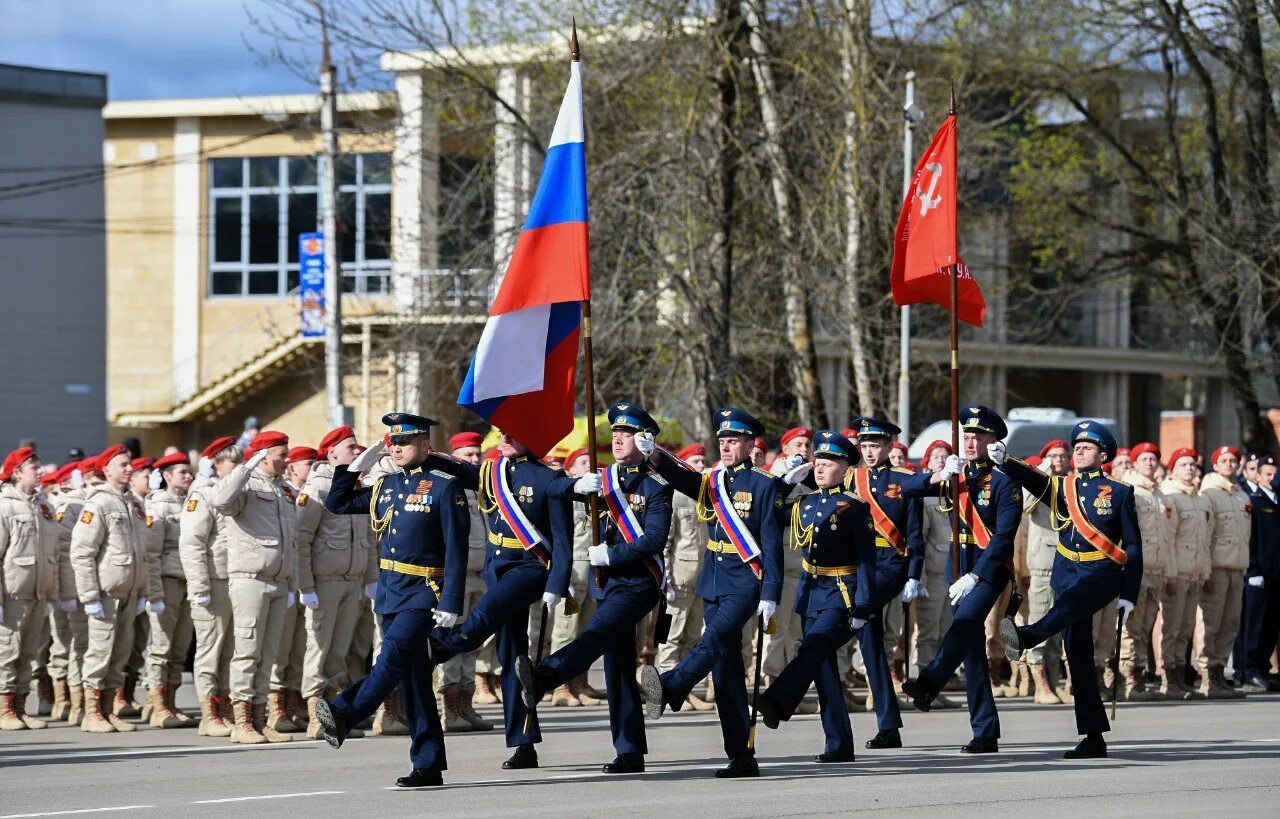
[(955, 387)]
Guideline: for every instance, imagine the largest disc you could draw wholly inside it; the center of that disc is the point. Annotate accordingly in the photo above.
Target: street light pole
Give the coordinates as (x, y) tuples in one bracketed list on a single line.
[(910, 113), (329, 216)]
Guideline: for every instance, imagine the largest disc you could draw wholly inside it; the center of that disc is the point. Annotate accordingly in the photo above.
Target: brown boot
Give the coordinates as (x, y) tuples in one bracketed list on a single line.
[(211, 722), (466, 708), (1011, 687), (244, 731), (699, 704), (44, 695), (148, 706), (1135, 688), (112, 696), (1213, 685), (1045, 694), (124, 706), (94, 720), (162, 715), (226, 710), (296, 706), (277, 715), (61, 700), (186, 721), (390, 720), (75, 708), (1061, 687), (1024, 678), (453, 722), (564, 698), (711, 691), (585, 694), (264, 727), (854, 703), (1172, 685), (9, 719), (485, 694)]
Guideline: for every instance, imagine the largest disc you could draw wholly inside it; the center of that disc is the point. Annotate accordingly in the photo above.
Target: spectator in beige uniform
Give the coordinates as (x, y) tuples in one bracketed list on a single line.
[(109, 555), (70, 625), (683, 555), (126, 704), (1044, 662), (171, 627), (29, 583), (1221, 597), (1123, 463), (1158, 570), (780, 647), (1189, 538), (260, 518)]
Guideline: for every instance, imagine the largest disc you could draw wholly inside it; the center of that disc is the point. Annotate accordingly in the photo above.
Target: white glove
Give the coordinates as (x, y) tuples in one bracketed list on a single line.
[(962, 587), (997, 452), (205, 469), (1125, 607), (371, 590), (311, 600), (366, 460), (550, 599), (156, 607), (1256, 582), (155, 480), (671, 596), (646, 443), (67, 605), (258, 457), (910, 591), (445, 619), (766, 609), (290, 600), (924, 591), (855, 623), (953, 466), (142, 605), (1045, 466), (202, 600), (598, 555), (95, 610), (77, 479), (588, 484), (798, 469)]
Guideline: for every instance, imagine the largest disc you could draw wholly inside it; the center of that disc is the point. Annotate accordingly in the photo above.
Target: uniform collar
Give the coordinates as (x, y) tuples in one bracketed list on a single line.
[(1090, 474), (632, 469), (518, 459), (831, 490), (740, 465), (881, 466), (413, 470)]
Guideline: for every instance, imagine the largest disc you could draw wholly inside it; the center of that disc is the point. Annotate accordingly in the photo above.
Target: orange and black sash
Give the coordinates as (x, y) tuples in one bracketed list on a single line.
[(969, 514), (1085, 526), (884, 524)]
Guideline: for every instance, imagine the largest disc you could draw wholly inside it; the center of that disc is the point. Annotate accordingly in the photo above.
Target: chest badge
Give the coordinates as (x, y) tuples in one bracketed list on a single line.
[(742, 503), (1102, 503), (525, 494), (893, 490)]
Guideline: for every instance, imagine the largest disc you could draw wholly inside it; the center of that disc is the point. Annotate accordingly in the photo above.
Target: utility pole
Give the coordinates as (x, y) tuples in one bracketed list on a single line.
[(329, 224), (911, 116)]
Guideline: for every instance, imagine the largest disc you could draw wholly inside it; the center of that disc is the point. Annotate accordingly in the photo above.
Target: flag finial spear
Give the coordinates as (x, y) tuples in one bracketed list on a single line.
[(953, 99), (573, 38)]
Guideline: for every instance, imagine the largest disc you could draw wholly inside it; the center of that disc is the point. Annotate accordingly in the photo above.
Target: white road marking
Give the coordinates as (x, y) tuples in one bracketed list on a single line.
[(267, 796), (71, 812), (160, 751)]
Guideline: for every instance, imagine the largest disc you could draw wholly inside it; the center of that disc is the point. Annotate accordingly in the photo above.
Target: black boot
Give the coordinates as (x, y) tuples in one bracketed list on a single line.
[(524, 757), (421, 778), (739, 767), (768, 711), (920, 693), (1093, 746), (625, 764), (981, 745), (527, 676), (1012, 639), (889, 738), (437, 653), (827, 757), (333, 723)]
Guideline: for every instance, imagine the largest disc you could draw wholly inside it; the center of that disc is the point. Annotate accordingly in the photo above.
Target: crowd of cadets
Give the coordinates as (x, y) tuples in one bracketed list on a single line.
[(114, 565)]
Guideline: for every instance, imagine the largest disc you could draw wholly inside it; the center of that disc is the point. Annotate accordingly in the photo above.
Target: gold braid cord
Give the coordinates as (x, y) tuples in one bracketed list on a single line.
[(801, 535), (705, 511), (1054, 515), (485, 496), (378, 524)]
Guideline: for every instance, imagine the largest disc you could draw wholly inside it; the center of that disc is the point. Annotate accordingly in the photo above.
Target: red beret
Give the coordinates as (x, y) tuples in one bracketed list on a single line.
[(850, 433), (1223, 450), (50, 478), (89, 464), (142, 463), (105, 456), (1143, 448), (1107, 467), (1124, 450), (901, 446), (1185, 452), (691, 450), (330, 438), (1056, 443), (63, 474), (938, 444), (760, 444), (575, 455), (303, 453), (14, 460), (1035, 460), (267, 439), (217, 445), (797, 432), (462, 439), (172, 460)]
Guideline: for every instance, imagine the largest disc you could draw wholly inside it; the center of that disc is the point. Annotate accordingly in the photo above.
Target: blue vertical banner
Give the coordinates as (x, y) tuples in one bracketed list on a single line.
[(311, 283)]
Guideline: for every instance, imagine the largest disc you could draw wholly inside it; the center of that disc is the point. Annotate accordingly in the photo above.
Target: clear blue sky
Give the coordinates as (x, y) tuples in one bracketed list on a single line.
[(148, 48)]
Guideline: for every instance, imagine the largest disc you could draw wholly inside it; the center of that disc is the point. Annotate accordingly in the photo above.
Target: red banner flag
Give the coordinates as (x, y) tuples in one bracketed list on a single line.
[(924, 245)]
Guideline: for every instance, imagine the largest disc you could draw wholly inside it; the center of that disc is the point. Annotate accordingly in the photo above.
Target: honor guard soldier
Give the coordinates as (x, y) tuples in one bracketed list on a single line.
[(530, 556), (420, 518), (741, 578), (835, 533), (899, 560), (1262, 580), (1099, 559), (990, 509), (626, 580)]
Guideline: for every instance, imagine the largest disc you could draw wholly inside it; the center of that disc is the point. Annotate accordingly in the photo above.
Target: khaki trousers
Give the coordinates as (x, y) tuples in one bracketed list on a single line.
[(933, 618), (214, 642), (171, 635), (1040, 598), (23, 631), (779, 647), (1104, 635), (286, 671), (259, 608), (328, 630), (1178, 620), (110, 643), (1135, 645), (461, 668), (365, 642), (69, 639), (1219, 620), (136, 664), (685, 632)]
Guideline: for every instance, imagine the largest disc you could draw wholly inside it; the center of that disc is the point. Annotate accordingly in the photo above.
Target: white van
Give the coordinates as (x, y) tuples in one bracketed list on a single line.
[(1030, 428)]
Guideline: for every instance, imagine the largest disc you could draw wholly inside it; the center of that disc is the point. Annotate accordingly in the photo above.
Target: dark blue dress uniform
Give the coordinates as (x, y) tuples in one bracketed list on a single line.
[(515, 577), (1262, 603), (887, 485), (423, 525), (729, 587), (997, 501), (838, 584), (625, 591), (1085, 577)]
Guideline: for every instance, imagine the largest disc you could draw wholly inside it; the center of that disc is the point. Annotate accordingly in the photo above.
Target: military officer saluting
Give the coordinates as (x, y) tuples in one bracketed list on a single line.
[(990, 507), (836, 596), (421, 521), (626, 581), (741, 577), (1099, 558), (899, 560)]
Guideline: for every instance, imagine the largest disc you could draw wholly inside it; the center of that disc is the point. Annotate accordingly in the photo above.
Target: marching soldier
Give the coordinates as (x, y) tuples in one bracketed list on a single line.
[(625, 581), (990, 507), (171, 626), (834, 531), (1159, 570), (70, 624), (1189, 538), (682, 557), (1222, 595), (421, 521), (1262, 581), (741, 578)]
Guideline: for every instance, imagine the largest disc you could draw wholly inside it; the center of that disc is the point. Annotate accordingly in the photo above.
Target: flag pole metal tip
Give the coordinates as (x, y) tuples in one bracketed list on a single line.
[(573, 38), (953, 99)]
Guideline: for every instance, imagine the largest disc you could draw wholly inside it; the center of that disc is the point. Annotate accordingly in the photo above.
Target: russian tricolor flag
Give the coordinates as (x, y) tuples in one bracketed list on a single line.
[(522, 377)]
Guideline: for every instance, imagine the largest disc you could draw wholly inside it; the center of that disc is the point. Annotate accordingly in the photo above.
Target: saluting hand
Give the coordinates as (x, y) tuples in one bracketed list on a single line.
[(997, 453), (646, 443)]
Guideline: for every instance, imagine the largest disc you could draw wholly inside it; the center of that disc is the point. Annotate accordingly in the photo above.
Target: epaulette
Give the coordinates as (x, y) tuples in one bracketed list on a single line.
[(440, 474), (764, 472), (661, 481), (902, 471)]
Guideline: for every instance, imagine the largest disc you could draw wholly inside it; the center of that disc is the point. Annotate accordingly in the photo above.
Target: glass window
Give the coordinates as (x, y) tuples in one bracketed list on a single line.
[(347, 228), (302, 219), (226, 229), (226, 173), (264, 282), (377, 226), (225, 283), (264, 171), (264, 229), (302, 170), (377, 169)]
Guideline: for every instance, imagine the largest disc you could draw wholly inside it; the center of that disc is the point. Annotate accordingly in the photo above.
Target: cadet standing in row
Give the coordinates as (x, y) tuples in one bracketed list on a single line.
[(171, 625)]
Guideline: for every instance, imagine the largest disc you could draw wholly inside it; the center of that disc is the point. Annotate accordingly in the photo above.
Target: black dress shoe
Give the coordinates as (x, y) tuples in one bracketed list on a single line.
[(826, 757), (332, 722), (981, 745), (651, 688), (1012, 639), (528, 682), (1093, 746), (524, 757), (1258, 684), (921, 694), (625, 764), (742, 766), (890, 738), (421, 778), (437, 653), (768, 711)]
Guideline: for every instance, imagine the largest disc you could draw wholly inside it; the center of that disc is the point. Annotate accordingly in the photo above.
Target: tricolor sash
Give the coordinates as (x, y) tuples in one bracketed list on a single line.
[(1085, 527), (624, 517), (969, 514), (883, 523), (731, 522), (505, 500)]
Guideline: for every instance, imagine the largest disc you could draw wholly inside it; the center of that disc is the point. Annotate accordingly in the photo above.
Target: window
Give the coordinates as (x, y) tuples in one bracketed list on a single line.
[(259, 205)]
